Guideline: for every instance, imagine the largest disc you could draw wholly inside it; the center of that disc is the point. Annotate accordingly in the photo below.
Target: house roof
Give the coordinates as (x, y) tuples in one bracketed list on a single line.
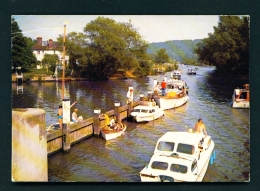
[(42, 46)]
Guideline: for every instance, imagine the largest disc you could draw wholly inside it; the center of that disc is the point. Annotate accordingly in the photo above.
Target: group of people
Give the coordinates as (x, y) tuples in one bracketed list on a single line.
[(74, 115), (111, 124)]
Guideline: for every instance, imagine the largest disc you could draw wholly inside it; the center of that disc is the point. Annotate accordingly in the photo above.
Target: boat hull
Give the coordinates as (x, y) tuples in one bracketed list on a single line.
[(240, 103), (110, 134), (170, 103), (146, 118)]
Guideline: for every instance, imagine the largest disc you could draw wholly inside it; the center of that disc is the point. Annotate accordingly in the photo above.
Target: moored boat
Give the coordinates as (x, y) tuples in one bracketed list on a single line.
[(142, 113), (112, 134), (173, 98), (179, 156), (241, 97)]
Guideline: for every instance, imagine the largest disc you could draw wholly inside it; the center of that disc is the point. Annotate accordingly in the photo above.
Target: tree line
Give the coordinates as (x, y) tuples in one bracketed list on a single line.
[(106, 46), (228, 47)]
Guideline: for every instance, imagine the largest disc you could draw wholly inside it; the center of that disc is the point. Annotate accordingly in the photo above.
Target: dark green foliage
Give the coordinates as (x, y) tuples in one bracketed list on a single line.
[(111, 46), (22, 55), (161, 56), (228, 47)]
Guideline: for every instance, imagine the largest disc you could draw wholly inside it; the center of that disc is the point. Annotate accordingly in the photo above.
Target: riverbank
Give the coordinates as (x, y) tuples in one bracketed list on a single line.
[(49, 78)]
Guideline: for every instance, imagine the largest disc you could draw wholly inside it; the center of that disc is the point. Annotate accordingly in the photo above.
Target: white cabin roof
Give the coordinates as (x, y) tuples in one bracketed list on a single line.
[(181, 137)]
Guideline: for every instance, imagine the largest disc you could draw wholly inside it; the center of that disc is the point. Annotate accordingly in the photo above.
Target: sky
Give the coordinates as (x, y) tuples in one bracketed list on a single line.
[(153, 28)]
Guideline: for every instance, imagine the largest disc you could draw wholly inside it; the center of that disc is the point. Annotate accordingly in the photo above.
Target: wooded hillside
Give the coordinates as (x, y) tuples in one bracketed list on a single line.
[(176, 49)]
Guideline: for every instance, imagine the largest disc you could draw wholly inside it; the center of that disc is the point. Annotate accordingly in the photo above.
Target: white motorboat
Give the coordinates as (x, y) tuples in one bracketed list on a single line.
[(191, 71), (176, 74), (241, 97), (112, 134), (177, 84), (142, 113), (178, 157), (173, 98)]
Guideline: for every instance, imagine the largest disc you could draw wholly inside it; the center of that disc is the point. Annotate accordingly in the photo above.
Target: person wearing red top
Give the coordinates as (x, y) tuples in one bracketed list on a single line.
[(163, 84)]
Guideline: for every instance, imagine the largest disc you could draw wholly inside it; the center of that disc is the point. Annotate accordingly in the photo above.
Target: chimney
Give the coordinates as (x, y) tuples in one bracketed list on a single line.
[(50, 43), (39, 40)]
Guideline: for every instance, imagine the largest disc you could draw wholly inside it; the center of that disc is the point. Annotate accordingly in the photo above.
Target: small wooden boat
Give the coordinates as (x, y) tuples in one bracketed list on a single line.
[(112, 134)]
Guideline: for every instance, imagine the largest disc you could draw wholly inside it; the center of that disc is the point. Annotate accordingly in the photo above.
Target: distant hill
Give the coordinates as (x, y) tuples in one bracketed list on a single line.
[(176, 49)]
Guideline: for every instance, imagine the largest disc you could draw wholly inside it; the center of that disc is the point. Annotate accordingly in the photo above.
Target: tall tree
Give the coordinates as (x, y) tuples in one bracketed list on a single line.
[(22, 55), (228, 47), (111, 46), (76, 49), (162, 56)]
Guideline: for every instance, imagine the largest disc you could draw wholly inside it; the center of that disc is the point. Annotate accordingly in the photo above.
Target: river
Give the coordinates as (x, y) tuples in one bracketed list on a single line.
[(121, 159)]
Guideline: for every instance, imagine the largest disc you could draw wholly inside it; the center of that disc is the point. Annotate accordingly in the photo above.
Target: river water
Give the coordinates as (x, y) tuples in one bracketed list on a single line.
[(121, 159)]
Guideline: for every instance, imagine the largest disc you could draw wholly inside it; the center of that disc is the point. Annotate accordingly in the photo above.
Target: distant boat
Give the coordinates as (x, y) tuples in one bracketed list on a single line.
[(191, 71), (241, 97)]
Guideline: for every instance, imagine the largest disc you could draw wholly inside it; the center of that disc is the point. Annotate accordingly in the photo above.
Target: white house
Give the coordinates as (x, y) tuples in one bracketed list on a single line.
[(47, 47)]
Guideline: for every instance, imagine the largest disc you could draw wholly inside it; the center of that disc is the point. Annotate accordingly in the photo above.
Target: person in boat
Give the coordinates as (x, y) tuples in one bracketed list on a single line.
[(60, 114), (112, 123), (163, 84), (107, 121), (156, 89), (200, 127), (153, 102), (119, 126), (237, 92)]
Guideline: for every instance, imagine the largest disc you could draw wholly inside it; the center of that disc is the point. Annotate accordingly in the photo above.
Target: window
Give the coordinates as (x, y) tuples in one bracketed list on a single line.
[(145, 111), (165, 146), (38, 52), (178, 168), (136, 110), (184, 148), (159, 165)]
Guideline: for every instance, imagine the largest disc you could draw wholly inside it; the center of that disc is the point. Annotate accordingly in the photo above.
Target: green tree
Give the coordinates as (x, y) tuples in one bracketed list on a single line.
[(22, 55), (76, 48), (112, 46), (228, 47), (49, 61), (161, 56)]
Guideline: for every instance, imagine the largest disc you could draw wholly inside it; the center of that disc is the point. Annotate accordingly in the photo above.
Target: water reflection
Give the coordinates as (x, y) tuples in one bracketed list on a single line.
[(121, 159)]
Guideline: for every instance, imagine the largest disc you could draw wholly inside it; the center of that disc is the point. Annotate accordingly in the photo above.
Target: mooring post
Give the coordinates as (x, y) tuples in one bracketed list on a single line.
[(117, 112), (96, 122), (66, 125)]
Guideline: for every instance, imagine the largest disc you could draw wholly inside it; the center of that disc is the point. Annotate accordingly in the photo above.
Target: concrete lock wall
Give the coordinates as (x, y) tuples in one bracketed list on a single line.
[(29, 145)]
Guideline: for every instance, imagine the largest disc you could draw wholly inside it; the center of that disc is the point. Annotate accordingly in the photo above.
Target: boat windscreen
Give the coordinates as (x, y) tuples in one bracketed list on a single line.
[(159, 165), (165, 146), (145, 111), (179, 168), (185, 148)]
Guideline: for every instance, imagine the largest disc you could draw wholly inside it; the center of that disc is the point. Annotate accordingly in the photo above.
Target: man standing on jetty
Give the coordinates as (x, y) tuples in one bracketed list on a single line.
[(130, 96)]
